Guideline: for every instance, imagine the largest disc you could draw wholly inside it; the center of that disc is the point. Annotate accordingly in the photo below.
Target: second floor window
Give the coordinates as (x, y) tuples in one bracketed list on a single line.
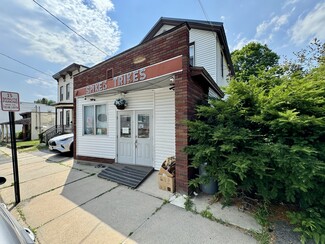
[(221, 63), (61, 93), (192, 54), (67, 90)]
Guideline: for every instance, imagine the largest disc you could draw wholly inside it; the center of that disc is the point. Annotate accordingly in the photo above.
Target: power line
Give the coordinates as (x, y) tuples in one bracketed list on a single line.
[(206, 15), (25, 64), (16, 72), (70, 28)]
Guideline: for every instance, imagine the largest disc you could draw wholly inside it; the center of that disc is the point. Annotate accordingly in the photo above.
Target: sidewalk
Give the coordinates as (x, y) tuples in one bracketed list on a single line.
[(65, 202)]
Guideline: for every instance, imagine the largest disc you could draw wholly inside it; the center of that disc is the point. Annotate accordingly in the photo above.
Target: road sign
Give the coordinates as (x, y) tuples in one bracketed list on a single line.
[(10, 101)]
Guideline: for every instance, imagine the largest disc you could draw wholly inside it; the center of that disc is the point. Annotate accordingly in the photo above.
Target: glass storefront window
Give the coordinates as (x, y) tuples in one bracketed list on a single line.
[(101, 120), (95, 120), (88, 120)]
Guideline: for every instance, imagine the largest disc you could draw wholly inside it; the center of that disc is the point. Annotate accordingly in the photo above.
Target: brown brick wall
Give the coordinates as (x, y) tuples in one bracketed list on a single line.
[(187, 92), (161, 48), (95, 160)]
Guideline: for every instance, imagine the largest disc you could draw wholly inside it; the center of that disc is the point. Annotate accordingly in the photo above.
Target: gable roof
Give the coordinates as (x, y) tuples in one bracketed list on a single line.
[(196, 24)]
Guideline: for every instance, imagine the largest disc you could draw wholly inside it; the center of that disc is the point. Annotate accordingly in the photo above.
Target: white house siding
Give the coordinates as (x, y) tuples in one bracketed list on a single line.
[(41, 121), (212, 93), (164, 116), (160, 101), (63, 82), (104, 146), (222, 79), (206, 53), (164, 28), (100, 146)]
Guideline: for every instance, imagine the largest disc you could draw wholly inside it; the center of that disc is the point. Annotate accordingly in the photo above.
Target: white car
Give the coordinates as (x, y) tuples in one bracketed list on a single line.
[(10, 230), (63, 143)]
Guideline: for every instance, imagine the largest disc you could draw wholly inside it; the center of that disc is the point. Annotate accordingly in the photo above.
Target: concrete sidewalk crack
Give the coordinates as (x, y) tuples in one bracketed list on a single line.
[(136, 229), (82, 204)]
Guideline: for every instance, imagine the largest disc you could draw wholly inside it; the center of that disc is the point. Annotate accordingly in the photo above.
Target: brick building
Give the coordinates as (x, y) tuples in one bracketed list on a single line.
[(176, 66)]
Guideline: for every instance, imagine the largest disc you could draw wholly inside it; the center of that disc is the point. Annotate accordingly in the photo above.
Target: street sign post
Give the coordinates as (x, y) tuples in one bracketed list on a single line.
[(10, 103)]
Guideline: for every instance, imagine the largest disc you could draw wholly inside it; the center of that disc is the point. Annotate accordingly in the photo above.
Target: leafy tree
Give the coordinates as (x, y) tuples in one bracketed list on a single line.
[(306, 59), (44, 101), (252, 59), (267, 139)]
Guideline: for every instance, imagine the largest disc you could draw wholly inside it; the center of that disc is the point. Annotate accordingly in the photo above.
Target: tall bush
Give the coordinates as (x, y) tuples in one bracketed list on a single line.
[(267, 138)]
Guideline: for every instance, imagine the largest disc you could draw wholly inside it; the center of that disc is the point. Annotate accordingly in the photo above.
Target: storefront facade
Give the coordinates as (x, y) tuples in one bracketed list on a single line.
[(161, 90)]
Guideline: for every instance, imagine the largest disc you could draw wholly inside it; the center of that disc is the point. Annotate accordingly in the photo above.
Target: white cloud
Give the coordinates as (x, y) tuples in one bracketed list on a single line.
[(241, 42), (290, 2), (43, 82), (49, 39), (222, 18), (312, 25), (272, 25)]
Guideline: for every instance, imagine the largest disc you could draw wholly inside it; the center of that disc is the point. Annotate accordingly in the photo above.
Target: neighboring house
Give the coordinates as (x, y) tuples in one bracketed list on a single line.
[(179, 64), (32, 119), (39, 122), (64, 106)]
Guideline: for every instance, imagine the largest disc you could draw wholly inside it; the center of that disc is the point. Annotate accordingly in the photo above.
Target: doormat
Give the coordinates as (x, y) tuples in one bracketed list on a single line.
[(129, 175)]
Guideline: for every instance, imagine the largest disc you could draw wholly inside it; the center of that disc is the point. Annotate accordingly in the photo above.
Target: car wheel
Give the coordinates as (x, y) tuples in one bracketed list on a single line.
[(71, 149)]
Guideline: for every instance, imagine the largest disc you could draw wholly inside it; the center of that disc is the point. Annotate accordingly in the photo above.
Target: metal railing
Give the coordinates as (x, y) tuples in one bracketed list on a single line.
[(46, 135)]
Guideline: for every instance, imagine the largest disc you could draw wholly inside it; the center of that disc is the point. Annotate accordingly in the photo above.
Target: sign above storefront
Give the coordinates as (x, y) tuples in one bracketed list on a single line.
[(166, 67)]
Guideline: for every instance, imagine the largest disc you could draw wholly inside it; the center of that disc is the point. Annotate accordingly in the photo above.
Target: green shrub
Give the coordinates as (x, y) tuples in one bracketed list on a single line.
[(19, 135), (311, 224), (268, 139)]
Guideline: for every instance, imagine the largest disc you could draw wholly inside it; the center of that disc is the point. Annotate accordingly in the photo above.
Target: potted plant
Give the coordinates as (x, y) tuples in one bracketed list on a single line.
[(120, 103)]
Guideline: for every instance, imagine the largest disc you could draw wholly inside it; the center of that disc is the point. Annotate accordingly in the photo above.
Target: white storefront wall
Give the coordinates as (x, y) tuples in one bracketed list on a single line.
[(162, 104)]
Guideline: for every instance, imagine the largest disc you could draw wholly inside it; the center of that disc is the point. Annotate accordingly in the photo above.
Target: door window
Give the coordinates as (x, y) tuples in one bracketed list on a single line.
[(125, 126), (143, 126)]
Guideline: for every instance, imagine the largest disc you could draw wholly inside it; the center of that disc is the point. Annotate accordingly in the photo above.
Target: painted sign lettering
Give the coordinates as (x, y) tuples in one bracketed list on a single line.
[(96, 87), (166, 67), (131, 77)]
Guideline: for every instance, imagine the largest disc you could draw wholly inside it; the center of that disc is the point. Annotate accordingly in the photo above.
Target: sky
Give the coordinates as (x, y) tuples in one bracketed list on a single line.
[(34, 45)]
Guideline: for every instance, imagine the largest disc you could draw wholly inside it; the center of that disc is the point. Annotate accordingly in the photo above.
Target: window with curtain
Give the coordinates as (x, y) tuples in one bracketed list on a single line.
[(101, 120), (95, 120)]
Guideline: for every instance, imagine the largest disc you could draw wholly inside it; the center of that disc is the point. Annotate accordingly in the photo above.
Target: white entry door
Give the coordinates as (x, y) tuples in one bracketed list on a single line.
[(134, 140), (125, 138), (143, 138)]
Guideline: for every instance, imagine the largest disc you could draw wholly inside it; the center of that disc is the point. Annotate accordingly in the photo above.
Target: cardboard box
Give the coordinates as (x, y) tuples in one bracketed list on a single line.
[(168, 167), (163, 171), (166, 183)]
